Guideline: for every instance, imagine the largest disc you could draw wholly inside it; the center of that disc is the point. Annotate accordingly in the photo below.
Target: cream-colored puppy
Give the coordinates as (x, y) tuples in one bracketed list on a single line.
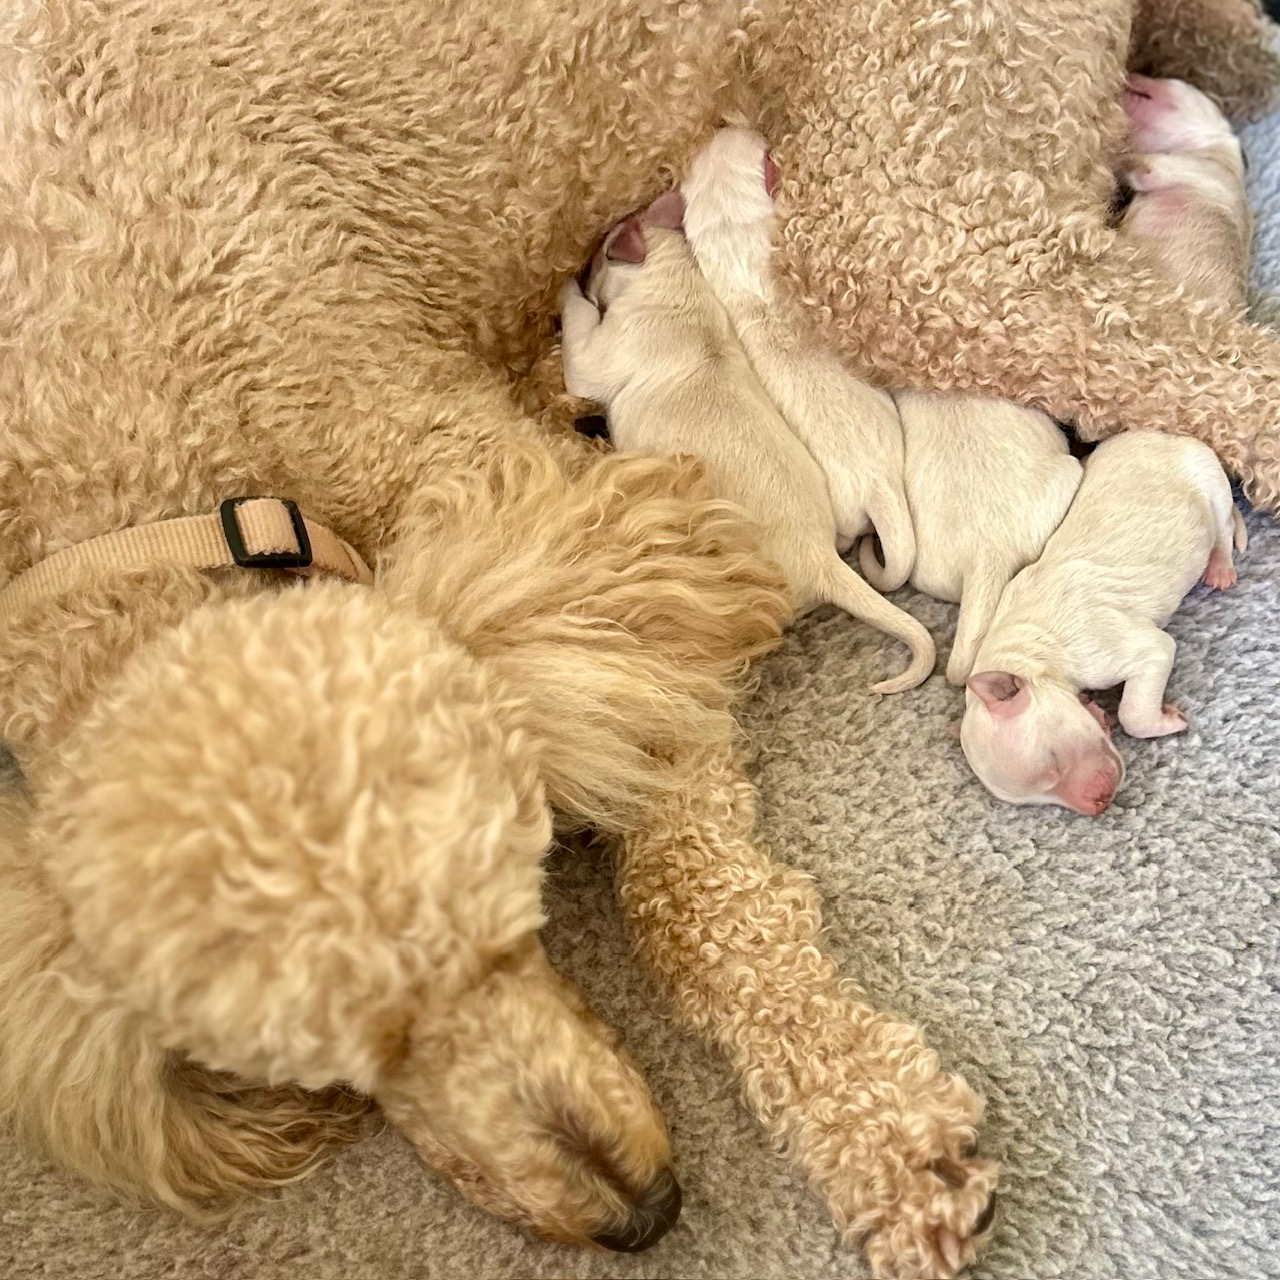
[(666, 365), (1153, 515), (987, 482), (1189, 208), (849, 427)]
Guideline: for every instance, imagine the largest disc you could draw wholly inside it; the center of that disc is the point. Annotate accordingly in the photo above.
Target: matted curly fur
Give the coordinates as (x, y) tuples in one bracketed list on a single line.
[(281, 839)]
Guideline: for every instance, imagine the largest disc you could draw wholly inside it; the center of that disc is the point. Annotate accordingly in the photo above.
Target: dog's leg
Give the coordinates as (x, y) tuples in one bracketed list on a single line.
[(1143, 710), (881, 1131)]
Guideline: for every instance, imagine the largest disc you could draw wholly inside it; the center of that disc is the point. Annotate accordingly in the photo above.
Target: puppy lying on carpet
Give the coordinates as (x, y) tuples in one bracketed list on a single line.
[(652, 344), (1153, 516), (849, 427)]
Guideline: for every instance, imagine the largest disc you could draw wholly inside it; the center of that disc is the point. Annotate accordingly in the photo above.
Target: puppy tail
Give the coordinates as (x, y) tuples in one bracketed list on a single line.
[(849, 592), (892, 519), (85, 1082)]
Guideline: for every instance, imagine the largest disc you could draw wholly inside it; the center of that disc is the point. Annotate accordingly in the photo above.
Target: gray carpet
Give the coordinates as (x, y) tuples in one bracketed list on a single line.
[(1110, 985)]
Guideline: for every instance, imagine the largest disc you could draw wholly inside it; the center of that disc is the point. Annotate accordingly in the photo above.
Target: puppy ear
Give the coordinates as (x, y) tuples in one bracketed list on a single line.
[(1097, 713), (627, 243), (666, 211), (1139, 86), (772, 178), (1002, 693)]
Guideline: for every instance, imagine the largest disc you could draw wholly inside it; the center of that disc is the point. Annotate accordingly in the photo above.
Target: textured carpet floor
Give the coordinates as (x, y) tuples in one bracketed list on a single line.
[(1110, 985)]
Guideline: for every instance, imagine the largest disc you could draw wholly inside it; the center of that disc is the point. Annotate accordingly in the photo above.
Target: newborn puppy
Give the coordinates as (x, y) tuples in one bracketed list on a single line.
[(987, 482), (1189, 208), (849, 427), (664, 361), (1152, 515)]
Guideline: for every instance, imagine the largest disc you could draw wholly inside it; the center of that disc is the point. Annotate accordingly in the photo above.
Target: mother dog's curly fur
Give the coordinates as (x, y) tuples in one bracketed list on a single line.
[(277, 845)]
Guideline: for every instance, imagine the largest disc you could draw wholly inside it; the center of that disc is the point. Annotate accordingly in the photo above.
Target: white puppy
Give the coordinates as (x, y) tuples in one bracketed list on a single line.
[(849, 427), (666, 365), (987, 482), (1189, 207), (1152, 515)]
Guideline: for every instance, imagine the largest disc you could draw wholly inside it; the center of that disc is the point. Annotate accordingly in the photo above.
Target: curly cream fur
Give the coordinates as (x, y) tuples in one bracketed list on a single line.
[(268, 246)]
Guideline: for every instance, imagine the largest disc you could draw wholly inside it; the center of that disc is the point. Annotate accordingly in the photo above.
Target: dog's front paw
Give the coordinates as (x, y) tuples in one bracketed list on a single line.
[(932, 1230), (935, 1195)]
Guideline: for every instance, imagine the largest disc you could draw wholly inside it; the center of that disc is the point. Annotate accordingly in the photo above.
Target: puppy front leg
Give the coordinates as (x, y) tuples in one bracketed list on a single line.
[(880, 1130), (579, 324), (1143, 710)]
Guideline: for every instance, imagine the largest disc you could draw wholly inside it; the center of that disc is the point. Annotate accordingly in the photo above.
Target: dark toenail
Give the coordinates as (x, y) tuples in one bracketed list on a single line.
[(970, 1149), (987, 1218), (950, 1172)]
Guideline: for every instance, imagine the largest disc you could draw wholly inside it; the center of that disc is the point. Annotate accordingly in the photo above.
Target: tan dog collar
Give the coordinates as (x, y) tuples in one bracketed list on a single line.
[(254, 533)]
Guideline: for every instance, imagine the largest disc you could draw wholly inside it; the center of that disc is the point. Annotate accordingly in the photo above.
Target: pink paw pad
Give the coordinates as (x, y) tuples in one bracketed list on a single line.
[(1220, 573)]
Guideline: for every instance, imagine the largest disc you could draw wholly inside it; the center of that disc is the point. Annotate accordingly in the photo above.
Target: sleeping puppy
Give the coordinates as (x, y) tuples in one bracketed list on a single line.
[(665, 363), (849, 427), (1153, 515), (1189, 208), (987, 482)]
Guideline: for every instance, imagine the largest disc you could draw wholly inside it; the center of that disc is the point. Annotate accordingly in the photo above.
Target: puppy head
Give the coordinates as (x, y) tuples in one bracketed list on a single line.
[(626, 246), (1170, 117), (732, 181), (1038, 742), (301, 837)]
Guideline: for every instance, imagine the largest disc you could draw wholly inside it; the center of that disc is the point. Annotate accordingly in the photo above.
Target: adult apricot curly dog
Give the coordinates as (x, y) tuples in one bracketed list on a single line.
[(279, 848)]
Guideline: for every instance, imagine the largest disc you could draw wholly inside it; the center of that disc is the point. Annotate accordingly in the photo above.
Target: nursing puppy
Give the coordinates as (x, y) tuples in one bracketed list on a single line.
[(665, 363), (849, 427), (987, 482), (1189, 208), (1153, 515)]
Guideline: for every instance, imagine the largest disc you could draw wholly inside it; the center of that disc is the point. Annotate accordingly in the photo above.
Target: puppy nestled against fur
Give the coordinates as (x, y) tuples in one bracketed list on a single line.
[(1153, 515), (1189, 207), (664, 361), (987, 483), (850, 427)]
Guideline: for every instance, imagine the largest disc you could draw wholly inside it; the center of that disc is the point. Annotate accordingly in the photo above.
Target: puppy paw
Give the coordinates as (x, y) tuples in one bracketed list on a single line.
[(1220, 573)]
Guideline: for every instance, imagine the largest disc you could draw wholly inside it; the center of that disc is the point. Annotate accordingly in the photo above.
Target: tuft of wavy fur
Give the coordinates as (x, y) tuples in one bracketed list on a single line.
[(963, 241), (622, 601), (86, 1083)]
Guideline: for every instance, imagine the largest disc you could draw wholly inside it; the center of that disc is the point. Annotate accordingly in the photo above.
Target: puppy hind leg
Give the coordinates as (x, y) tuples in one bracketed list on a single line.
[(1143, 710), (891, 517), (1220, 572), (979, 596), (852, 1093)]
